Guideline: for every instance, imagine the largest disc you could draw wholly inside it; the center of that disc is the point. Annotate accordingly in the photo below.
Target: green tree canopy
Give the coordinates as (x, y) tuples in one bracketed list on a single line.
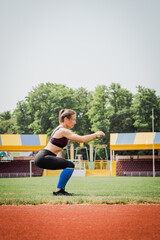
[(110, 109), (7, 123), (120, 98), (121, 117), (144, 101), (99, 113), (83, 100)]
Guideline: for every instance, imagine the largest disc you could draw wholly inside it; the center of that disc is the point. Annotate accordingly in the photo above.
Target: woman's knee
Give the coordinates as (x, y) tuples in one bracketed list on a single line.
[(71, 164)]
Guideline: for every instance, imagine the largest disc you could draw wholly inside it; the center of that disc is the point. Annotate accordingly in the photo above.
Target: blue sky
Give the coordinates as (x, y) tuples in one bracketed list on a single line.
[(78, 43)]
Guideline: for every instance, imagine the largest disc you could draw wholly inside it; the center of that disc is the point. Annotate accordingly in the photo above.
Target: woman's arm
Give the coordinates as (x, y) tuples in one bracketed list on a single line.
[(77, 138)]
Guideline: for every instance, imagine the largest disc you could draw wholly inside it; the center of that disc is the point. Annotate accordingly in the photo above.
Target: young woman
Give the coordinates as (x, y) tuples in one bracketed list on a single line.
[(47, 157)]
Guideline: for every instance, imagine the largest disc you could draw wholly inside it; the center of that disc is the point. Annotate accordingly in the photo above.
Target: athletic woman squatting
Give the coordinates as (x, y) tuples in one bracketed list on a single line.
[(47, 158)]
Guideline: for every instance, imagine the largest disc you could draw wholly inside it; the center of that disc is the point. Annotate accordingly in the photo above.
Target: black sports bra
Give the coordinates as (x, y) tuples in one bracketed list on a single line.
[(59, 142)]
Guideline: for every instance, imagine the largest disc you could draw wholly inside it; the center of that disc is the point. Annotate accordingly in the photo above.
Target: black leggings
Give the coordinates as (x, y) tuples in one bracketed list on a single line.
[(48, 160)]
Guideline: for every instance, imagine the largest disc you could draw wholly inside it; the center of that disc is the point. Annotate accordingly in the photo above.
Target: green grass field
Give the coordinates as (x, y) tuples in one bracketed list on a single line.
[(87, 190)]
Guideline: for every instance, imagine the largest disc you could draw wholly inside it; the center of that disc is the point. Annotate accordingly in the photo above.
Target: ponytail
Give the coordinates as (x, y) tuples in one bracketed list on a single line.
[(65, 113)]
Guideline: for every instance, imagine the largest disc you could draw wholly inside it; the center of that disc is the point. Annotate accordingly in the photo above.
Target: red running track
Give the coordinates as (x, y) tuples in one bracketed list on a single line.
[(77, 222)]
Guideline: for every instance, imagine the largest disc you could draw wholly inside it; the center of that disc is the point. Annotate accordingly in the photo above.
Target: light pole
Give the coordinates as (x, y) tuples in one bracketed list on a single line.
[(153, 142)]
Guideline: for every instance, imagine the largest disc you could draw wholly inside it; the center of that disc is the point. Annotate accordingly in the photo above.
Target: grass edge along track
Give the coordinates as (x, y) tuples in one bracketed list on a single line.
[(87, 190)]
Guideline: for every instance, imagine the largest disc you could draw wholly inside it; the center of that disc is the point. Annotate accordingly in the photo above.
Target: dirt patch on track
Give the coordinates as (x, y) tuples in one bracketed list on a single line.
[(95, 222)]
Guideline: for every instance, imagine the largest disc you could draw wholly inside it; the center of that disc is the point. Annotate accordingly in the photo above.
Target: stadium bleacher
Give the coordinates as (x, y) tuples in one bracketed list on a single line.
[(139, 167), (149, 141), (18, 168)]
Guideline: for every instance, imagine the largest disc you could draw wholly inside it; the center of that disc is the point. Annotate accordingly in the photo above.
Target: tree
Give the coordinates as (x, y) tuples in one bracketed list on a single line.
[(83, 99), (99, 113), (7, 123), (122, 122), (61, 97), (39, 107), (121, 118), (144, 101), (110, 109), (6, 115), (120, 98), (22, 118)]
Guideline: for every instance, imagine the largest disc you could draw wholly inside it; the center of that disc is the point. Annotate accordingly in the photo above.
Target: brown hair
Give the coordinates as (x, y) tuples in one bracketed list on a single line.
[(65, 113)]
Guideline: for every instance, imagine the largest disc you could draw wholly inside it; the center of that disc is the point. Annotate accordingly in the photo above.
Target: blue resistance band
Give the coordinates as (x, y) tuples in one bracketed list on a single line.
[(64, 177)]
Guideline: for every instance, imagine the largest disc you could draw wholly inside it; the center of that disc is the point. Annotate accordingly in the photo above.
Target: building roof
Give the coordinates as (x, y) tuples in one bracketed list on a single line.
[(25, 142), (134, 141)]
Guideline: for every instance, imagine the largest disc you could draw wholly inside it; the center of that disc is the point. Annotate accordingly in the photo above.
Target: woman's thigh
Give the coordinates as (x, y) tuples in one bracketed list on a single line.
[(47, 161)]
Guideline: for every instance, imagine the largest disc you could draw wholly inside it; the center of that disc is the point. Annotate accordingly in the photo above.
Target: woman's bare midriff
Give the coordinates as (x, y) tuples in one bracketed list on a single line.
[(52, 148)]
